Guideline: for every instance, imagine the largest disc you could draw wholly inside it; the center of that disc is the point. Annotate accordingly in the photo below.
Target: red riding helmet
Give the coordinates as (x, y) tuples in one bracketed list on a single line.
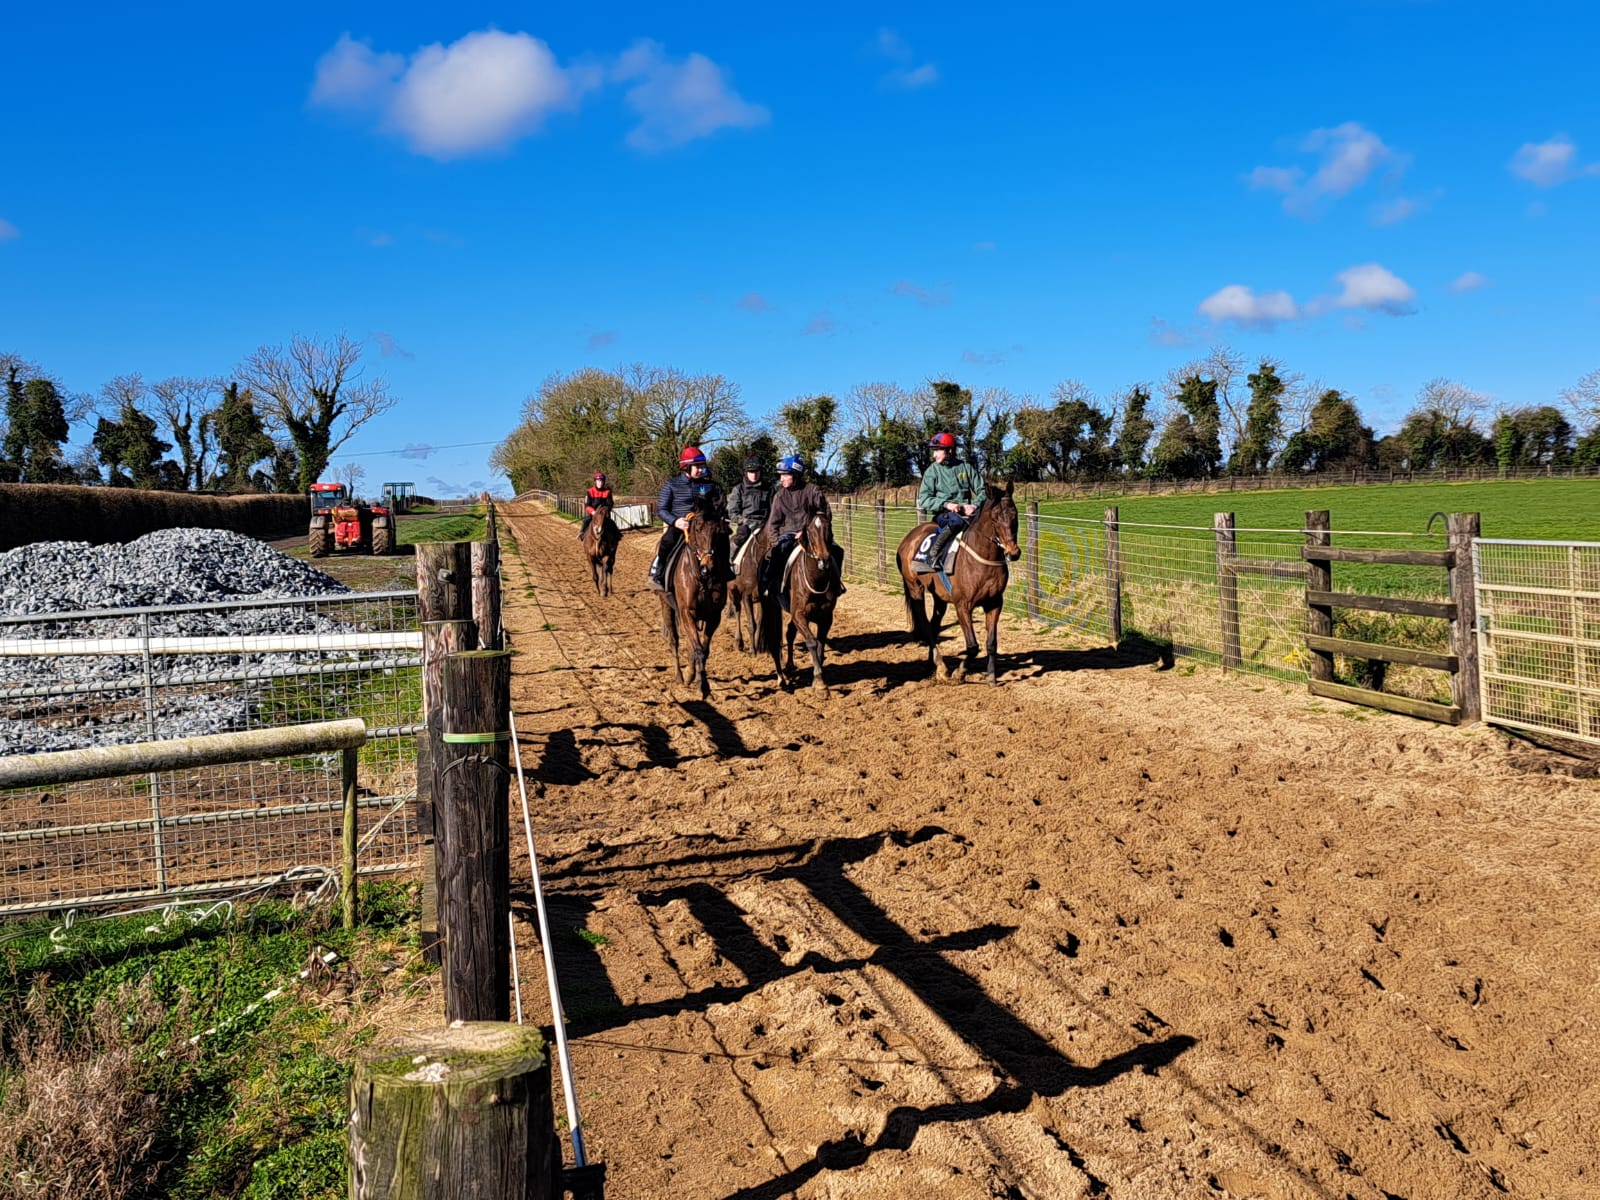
[(691, 456), (599, 476), (942, 441)]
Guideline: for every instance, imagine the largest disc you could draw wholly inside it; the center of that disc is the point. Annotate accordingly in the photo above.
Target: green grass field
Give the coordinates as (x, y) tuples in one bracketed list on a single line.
[(1546, 509), (452, 527)]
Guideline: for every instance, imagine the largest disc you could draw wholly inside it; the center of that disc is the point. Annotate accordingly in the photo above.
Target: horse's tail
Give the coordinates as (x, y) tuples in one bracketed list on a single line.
[(916, 611)]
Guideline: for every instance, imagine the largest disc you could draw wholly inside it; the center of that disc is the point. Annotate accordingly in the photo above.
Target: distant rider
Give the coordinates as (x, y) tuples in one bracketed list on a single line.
[(676, 501), (598, 491), (749, 503), (796, 502), (952, 491)]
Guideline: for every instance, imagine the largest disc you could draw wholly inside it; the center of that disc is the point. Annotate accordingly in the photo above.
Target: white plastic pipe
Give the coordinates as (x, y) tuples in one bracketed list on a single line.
[(564, 1059)]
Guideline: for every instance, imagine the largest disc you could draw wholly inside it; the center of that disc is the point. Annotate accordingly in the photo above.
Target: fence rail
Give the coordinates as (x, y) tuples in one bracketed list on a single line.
[(108, 679)]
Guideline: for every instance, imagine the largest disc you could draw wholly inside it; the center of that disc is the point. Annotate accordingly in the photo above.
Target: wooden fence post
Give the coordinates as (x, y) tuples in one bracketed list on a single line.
[(1465, 686), (461, 1111), (472, 820), (486, 592), (1319, 578), (1227, 587), (850, 535), (440, 639), (1113, 577), (1033, 560), (882, 537), (444, 583)]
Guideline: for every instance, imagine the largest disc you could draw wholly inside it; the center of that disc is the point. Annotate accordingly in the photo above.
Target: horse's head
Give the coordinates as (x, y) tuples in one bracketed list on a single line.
[(707, 536), (1002, 513), (817, 537)]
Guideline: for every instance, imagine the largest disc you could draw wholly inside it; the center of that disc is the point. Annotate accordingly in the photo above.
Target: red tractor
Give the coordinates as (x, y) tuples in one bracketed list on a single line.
[(341, 523)]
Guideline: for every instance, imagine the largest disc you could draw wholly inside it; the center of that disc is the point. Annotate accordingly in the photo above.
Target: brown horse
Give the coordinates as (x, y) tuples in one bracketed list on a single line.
[(977, 581), (697, 591), (813, 584), (600, 544), (744, 593)]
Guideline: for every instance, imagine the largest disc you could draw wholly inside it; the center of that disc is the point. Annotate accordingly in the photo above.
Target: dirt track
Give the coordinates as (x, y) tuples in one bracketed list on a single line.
[(1104, 930)]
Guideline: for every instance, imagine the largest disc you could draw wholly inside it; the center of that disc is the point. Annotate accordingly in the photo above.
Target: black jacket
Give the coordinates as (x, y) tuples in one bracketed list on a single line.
[(749, 503), (679, 493)]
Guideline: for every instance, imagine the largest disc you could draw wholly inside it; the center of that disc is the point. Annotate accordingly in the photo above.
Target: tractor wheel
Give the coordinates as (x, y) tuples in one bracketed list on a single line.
[(319, 541), (383, 538)]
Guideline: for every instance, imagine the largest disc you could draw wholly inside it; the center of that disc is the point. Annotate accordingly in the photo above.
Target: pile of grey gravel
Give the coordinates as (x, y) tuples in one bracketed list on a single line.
[(169, 567)]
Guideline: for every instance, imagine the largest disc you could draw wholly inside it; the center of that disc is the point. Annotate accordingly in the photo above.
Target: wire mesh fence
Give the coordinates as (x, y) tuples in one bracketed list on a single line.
[(106, 677), (1231, 596), (1539, 635)]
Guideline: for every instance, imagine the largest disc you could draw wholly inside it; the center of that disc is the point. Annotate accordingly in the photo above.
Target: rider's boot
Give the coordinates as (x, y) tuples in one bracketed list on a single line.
[(941, 542), (655, 575), (838, 567)]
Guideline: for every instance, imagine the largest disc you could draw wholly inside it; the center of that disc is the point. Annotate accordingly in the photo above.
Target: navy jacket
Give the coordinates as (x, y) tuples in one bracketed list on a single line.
[(679, 493)]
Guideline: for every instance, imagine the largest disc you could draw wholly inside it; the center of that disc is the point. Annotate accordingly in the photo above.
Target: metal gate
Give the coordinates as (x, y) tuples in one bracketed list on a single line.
[(1539, 635)]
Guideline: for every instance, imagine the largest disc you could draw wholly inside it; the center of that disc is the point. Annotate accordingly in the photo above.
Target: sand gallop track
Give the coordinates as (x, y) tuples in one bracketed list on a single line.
[(1104, 930)]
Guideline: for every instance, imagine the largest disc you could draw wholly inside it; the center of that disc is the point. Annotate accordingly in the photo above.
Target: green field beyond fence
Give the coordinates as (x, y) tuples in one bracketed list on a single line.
[(1546, 509)]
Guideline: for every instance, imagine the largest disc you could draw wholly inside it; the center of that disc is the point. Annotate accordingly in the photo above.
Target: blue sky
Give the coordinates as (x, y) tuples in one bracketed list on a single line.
[(802, 198)]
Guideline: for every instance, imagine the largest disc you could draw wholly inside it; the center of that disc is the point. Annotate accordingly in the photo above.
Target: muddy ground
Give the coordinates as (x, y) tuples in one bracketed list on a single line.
[(1105, 930)]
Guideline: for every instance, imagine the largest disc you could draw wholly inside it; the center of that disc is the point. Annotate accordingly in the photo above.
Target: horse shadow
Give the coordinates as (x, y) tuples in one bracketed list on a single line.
[(1132, 653), (1031, 1066)]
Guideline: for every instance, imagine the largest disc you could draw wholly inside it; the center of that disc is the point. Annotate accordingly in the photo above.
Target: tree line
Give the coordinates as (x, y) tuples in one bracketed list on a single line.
[(272, 425), (1215, 416)]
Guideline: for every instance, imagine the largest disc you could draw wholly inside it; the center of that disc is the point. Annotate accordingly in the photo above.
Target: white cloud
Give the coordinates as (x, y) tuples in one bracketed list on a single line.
[(753, 302), (1469, 281), (1548, 163), (1348, 155), (1165, 333), (479, 94), (678, 102), (982, 360), (8, 230), (982, 247), (1392, 212), (903, 75), (1241, 305), (388, 347), (1370, 286), (598, 341), (418, 450), (822, 323), (927, 297)]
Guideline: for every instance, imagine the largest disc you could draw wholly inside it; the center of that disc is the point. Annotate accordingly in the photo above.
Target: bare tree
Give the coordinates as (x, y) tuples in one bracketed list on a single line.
[(1458, 404), (866, 405), (1583, 399), (352, 475), (122, 393), (188, 407), (681, 409), (314, 393)]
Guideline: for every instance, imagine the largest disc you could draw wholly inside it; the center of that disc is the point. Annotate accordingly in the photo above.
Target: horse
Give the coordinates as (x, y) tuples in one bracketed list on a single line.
[(744, 593), (600, 541), (814, 586), (976, 581), (696, 591)]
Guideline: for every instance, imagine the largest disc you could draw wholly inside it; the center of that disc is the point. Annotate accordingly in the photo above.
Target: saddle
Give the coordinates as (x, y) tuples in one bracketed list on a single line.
[(919, 560)]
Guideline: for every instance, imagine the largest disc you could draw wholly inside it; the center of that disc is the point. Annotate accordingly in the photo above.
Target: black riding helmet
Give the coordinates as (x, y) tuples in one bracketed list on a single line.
[(753, 464)]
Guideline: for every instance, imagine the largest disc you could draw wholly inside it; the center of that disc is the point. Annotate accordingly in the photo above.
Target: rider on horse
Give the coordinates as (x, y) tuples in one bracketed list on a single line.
[(951, 490), (797, 501), (677, 500), (748, 503), (598, 491)]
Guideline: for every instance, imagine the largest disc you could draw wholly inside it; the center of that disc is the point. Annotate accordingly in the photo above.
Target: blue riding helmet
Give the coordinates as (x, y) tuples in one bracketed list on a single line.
[(791, 464)]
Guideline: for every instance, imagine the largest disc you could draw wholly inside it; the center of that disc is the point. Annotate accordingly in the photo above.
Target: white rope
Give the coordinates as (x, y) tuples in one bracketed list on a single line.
[(557, 1013), (516, 976)]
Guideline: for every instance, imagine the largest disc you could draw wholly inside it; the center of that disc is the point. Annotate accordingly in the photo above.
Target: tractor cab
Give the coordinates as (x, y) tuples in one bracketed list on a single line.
[(339, 522), (399, 496), (325, 496)]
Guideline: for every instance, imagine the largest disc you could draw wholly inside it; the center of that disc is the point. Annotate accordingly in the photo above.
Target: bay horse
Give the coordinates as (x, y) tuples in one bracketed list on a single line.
[(600, 541), (814, 586), (697, 591), (977, 581), (744, 593)]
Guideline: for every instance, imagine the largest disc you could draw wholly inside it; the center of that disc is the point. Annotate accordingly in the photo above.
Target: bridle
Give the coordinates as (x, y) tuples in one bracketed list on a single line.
[(815, 546), (995, 538), (706, 560)]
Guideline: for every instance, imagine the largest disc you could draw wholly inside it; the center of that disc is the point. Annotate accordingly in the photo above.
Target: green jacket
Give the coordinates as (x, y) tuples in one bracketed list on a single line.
[(949, 483)]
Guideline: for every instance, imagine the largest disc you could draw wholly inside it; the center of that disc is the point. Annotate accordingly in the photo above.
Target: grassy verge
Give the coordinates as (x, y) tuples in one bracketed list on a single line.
[(451, 527), (103, 1093)]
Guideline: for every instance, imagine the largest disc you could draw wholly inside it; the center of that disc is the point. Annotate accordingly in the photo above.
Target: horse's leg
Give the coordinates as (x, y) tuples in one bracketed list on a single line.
[(669, 630), (964, 617), (934, 663), (713, 619), (815, 632), (991, 617)]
